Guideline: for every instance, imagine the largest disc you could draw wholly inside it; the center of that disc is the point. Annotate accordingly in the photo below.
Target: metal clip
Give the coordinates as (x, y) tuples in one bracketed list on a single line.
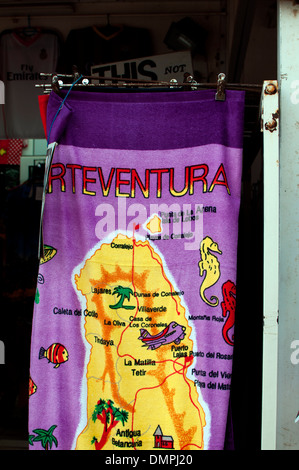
[(173, 83), (188, 78), (76, 73), (55, 84), (220, 94)]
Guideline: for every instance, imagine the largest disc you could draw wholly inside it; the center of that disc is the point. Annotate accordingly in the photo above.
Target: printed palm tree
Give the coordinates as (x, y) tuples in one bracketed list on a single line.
[(110, 416), (123, 293), (45, 437)]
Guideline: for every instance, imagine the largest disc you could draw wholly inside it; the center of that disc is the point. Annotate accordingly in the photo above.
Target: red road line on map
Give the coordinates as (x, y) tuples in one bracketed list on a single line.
[(166, 279), (133, 256), (183, 367)]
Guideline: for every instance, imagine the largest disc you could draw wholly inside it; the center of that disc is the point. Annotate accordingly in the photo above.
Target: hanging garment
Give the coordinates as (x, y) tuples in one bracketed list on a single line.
[(85, 47), (21, 60), (133, 326), (11, 151)]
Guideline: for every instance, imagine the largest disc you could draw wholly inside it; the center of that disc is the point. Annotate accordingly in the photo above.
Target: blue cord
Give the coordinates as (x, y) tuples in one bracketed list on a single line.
[(60, 107)]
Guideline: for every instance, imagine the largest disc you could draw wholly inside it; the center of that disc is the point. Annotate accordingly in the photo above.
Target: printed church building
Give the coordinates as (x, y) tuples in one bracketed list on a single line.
[(162, 442)]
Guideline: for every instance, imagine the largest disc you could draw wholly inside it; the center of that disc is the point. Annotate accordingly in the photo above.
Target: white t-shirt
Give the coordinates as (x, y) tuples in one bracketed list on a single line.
[(21, 61)]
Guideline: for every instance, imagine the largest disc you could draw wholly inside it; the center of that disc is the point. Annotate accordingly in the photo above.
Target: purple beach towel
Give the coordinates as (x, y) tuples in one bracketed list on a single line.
[(133, 324)]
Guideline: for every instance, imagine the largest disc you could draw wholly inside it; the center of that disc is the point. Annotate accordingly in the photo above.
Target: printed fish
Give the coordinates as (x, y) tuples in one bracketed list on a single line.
[(32, 387), (49, 253), (56, 353), (173, 333)]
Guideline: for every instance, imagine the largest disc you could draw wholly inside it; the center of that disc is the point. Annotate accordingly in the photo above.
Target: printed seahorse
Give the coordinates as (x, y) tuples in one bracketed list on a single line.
[(228, 307), (210, 264)]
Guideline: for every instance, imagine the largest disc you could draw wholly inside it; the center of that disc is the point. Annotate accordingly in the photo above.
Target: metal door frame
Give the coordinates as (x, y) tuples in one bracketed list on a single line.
[(280, 400), (270, 129)]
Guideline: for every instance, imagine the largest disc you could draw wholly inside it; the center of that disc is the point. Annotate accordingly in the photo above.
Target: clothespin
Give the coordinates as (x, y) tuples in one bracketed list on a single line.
[(188, 78), (173, 83), (220, 94), (76, 72), (55, 84)]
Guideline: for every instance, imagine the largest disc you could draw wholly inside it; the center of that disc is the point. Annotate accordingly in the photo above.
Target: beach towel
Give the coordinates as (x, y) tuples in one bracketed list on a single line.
[(133, 323)]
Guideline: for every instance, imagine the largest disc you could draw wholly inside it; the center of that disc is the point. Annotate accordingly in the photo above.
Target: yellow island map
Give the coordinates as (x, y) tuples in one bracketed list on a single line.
[(138, 396)]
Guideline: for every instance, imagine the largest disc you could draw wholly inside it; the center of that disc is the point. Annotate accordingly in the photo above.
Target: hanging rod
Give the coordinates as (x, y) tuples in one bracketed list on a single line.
[(188, 81), (188, 84), (113, 14)]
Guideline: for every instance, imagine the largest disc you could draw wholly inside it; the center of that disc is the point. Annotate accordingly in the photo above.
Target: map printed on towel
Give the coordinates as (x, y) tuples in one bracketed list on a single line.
[(133, 329)]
